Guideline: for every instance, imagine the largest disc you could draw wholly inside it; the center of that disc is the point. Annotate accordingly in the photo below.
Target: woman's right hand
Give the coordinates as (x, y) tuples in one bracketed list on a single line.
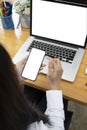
[(54, 73)]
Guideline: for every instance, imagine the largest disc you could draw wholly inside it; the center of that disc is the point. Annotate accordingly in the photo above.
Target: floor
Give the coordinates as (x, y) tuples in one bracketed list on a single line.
[(79, 119)]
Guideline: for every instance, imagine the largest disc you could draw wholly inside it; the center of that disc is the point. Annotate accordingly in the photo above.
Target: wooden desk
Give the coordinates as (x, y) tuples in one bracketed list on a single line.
[(77, 91)]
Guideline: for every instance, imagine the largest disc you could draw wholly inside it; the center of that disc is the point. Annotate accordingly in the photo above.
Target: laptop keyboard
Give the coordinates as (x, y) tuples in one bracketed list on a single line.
[(64, 54)]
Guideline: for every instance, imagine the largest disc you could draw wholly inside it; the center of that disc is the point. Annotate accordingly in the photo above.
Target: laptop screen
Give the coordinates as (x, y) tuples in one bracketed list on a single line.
[(59, 21)]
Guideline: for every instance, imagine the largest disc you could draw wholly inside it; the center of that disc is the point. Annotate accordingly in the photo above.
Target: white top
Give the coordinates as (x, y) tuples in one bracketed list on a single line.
[(54, 111)]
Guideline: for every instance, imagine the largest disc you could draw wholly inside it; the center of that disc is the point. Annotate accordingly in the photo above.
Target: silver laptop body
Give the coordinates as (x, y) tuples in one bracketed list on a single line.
[(59, 24)]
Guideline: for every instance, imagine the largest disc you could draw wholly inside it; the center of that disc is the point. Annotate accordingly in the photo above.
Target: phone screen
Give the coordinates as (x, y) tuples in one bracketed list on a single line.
[(33, 64)]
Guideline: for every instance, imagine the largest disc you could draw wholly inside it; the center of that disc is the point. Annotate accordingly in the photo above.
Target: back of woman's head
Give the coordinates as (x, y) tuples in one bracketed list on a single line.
[(15, 112), (8, 90)]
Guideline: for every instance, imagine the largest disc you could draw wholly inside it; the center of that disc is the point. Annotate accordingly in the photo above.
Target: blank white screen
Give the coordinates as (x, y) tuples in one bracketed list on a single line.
[(33, 64), (58, 21)]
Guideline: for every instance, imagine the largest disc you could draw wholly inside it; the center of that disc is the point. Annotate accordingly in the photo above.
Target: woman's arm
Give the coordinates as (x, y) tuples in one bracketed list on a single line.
[(54, 96), (55, 110)]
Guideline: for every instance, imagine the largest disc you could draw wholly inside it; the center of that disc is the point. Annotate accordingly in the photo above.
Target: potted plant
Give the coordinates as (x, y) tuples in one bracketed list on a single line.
[(22, 7)]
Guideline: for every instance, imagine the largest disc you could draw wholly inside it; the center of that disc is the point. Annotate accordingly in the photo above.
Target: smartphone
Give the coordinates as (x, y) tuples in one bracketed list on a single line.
[(33, 64)]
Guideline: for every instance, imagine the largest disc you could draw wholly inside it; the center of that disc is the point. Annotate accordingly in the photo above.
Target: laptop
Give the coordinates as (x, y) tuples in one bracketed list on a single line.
[(59, 28)]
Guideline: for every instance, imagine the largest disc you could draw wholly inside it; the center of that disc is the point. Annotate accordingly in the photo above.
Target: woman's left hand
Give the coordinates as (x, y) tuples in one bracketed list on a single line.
[(20, 65)]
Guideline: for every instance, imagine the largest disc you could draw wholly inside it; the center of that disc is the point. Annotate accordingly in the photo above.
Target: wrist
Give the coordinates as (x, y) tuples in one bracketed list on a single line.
[(55, 86)]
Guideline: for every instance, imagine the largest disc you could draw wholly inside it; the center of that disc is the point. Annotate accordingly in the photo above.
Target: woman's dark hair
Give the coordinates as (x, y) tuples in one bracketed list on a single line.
[(15, 111)]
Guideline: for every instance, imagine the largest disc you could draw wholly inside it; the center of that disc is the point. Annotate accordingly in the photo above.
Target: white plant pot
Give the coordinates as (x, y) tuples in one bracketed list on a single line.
[(25, 21)]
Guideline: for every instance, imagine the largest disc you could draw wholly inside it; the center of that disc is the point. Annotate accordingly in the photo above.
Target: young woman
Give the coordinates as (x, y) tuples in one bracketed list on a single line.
[(16, 113)]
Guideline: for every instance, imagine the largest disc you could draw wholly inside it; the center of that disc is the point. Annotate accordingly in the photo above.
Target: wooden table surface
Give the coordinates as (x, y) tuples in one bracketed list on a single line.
[(76, 91)]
